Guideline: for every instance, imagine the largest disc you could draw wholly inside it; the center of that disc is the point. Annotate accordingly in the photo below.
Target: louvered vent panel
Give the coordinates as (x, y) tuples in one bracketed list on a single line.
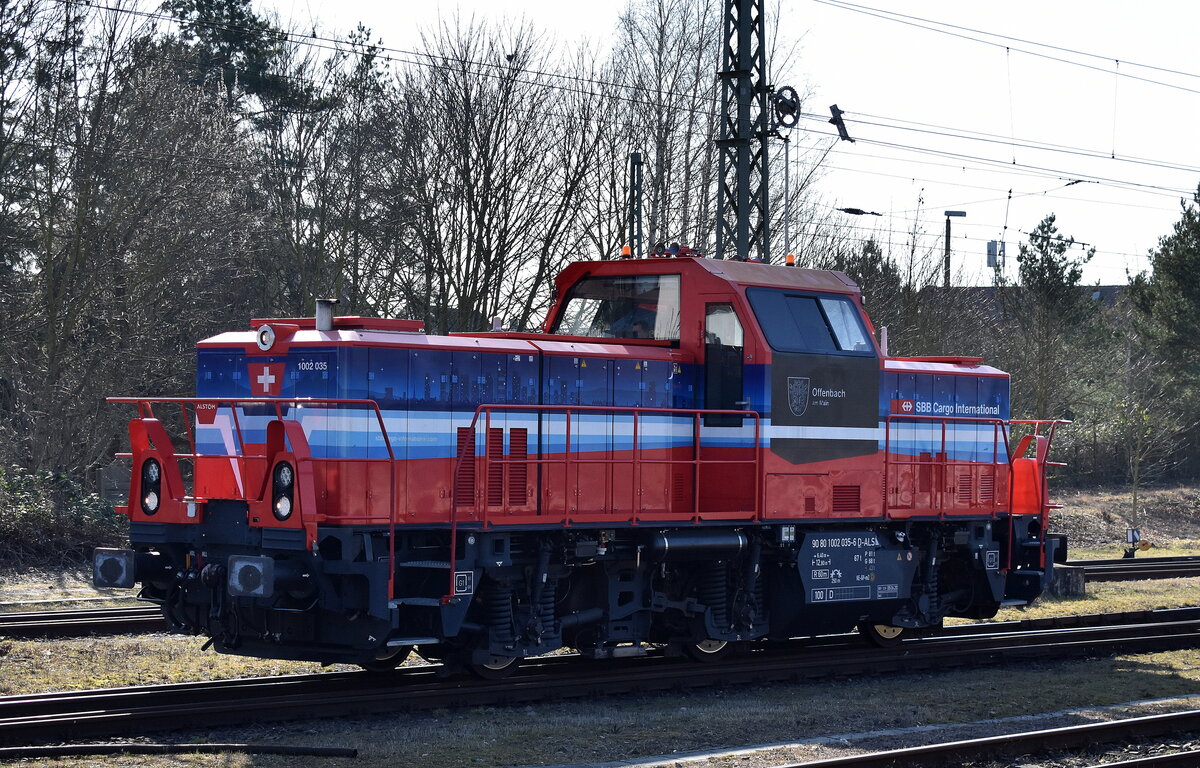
[(846, 500), (681, 489), (810, 504), (464, 481), (495, 471), (518, 470), (987, 487), (964, 489)]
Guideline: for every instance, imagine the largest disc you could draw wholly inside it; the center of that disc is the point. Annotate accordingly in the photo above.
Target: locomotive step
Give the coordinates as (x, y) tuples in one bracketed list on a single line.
[(443, 564), (396, 642), (430, 602)]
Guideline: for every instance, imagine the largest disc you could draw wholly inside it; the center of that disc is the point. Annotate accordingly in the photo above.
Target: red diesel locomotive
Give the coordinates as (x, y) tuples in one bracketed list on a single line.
[(695, 453)]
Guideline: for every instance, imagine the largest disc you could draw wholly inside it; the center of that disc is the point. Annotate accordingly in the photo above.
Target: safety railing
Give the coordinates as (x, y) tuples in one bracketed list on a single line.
[(570, 456), (1041, 444)]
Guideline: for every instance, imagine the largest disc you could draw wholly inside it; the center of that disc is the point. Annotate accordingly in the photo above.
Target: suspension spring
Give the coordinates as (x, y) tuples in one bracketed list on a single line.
[(546, 607), (498, 611), (714, 592), (931, 579)]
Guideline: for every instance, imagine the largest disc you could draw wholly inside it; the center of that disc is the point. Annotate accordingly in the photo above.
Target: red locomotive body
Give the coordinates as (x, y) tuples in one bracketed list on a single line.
[(694, 453)]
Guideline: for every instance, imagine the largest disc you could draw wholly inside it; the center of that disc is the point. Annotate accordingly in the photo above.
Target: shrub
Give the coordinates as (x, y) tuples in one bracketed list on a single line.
[(50, 520)]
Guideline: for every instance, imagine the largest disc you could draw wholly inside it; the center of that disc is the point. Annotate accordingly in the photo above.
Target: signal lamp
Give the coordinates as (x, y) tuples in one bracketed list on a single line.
[(151, 486), (283, 475), (281, 490)]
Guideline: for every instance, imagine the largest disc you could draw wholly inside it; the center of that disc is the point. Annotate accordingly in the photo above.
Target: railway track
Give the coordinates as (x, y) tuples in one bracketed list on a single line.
[(73, 623), (39, 718), (1036, 743), (1129, 569)]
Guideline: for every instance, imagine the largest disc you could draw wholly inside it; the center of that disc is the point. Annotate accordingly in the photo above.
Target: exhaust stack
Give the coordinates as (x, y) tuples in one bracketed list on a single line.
[(325, 314)]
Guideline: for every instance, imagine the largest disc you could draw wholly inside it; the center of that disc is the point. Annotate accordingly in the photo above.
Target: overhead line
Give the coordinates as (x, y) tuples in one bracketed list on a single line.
[(1050, 46), (323, 43), (881, 14), (1096, 154)]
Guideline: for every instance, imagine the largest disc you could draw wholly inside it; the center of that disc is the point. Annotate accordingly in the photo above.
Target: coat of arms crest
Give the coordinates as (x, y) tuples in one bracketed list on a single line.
[(798, 389)]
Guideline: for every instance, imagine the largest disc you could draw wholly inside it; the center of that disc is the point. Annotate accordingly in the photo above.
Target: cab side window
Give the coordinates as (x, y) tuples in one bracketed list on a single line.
[(721, 326), (800, 322)]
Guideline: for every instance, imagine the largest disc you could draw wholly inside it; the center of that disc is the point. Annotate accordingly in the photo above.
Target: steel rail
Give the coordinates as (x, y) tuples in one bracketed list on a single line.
[(1188, 759), (1128, 569), (1032, 742), (38, 718), (74, 623)]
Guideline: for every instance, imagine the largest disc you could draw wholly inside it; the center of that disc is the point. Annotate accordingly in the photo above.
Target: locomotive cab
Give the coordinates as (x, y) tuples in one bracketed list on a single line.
[(694, 453)]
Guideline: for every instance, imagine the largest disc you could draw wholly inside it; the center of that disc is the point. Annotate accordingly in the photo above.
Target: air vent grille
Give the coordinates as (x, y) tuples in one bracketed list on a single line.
[(464, 480), (846, 500), (518, 470)]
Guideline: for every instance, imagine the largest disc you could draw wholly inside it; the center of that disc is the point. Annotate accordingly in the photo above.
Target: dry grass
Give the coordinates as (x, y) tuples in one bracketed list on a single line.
[(1095, 521), (29, 589), (627, 727), (614, 729), (35, 666), (1113, 597)]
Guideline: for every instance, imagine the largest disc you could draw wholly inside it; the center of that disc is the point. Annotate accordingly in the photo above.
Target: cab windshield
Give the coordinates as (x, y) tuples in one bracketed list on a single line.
[(641, 307)]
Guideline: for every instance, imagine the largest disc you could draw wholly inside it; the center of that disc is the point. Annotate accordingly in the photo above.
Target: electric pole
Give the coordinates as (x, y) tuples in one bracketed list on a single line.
[(743, 210)]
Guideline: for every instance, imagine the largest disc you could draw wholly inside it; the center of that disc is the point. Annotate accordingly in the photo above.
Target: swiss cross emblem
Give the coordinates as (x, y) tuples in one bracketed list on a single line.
[(266, 379)]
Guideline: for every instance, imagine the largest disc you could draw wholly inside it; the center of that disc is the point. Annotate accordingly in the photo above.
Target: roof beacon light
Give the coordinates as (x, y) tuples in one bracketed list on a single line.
[(626, 252), (265, 337), (791, 260)]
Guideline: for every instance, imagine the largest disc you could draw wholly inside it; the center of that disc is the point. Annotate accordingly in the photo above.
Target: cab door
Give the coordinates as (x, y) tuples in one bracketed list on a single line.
[(724, 347), (725, 489)]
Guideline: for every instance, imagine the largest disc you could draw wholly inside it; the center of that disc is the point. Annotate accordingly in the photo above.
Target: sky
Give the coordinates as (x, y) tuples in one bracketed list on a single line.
[(952, 106)]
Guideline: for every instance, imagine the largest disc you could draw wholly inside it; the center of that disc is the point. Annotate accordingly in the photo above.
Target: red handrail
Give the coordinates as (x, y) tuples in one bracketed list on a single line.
[(145, 406), (636, 412), (998, 433)]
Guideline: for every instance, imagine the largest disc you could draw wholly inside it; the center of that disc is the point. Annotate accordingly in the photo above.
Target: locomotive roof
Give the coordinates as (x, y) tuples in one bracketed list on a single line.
[(737, 273)]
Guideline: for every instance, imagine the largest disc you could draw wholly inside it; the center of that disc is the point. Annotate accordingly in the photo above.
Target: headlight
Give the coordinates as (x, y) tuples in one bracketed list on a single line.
[(251, 576), (150, 503), (282, 485)]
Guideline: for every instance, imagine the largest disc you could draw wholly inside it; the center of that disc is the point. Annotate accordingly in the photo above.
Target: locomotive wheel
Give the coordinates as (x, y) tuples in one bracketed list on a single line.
[(389, 662), (708, 650), (498, 668), (881, 635)]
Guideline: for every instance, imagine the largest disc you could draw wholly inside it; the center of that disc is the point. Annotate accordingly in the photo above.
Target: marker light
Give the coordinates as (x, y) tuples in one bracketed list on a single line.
[(283, 508), (150, 503)]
